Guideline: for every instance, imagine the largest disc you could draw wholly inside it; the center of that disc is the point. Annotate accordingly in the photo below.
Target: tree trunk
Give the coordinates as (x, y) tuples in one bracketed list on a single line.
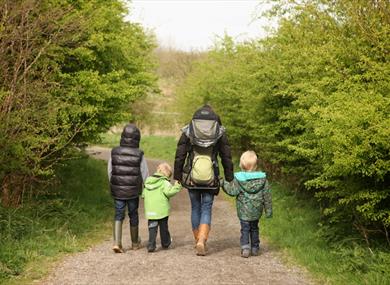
[(5, 193), (11, 190)]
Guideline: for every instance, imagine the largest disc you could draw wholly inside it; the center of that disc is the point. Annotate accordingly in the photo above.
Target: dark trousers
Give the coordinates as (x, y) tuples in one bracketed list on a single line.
[(164, 233), (249, 234), (132, 206)]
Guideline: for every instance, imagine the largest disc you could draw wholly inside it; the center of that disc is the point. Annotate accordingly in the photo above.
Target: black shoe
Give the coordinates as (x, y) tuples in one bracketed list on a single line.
[(170, 246), (255, 251), (151, 249)]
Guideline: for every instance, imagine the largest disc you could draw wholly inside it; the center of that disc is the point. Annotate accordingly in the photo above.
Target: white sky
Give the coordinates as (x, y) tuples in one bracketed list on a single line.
[(194, 24)]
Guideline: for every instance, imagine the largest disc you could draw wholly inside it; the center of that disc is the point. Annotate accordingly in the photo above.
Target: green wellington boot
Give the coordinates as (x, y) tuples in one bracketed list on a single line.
[(135, 239), (117, 248)]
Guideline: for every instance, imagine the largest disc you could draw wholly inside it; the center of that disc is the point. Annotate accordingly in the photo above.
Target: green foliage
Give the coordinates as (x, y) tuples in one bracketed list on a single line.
[(66, 218), (296, 228), (69, 70), (313, 100)]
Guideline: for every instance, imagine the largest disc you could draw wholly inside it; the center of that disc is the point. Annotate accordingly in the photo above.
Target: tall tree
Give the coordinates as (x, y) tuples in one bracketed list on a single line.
[(68, 70)]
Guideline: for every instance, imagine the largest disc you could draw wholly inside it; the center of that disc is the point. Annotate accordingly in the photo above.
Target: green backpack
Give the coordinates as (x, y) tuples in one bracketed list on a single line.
[(202, 170)]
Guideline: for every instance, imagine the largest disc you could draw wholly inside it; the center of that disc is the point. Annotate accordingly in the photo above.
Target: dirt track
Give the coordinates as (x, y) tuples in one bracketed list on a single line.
[(180, 265)]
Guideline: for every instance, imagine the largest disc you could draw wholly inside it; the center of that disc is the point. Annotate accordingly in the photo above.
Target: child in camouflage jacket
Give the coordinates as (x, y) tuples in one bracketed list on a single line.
[(253, 196)]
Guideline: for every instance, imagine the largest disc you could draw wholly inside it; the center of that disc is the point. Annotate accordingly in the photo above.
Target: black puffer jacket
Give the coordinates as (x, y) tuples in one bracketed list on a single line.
[(222, 147), (126, 179)]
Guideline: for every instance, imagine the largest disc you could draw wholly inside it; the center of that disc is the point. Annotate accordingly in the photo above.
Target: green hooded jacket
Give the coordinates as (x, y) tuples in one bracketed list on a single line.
[(156, 194), (253, 195)]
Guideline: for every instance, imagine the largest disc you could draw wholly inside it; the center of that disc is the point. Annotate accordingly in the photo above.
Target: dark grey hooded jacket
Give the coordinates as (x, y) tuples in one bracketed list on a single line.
[(222, 146)]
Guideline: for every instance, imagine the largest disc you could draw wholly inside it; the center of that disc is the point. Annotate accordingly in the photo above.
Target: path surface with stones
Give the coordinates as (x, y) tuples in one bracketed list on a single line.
[(179, 265)]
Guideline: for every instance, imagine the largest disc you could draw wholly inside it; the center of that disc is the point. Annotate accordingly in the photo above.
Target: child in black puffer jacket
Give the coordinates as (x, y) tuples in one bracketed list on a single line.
[(127, 170)]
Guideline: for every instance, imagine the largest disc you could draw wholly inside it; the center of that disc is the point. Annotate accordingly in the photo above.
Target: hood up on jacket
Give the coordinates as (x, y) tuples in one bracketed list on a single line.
[(130, 136), (206, 113), (205, 128), (155, 181), (251, 182)]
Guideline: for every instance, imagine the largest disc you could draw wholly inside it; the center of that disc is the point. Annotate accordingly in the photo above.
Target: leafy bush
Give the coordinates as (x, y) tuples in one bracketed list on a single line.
[(312, 100), (68, 71), (298, 229)]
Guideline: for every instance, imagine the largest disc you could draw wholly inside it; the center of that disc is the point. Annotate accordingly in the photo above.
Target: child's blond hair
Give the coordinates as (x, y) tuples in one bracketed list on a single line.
[(248, 161), (165, 169)]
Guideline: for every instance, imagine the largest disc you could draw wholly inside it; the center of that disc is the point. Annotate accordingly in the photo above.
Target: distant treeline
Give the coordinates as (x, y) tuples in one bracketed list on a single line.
[(175, 64), (68, 71), (160, 109), (313, 99)]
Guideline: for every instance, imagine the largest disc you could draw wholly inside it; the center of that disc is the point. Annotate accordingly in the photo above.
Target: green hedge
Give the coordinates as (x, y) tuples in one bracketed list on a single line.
[(313, 100), (69, 71)]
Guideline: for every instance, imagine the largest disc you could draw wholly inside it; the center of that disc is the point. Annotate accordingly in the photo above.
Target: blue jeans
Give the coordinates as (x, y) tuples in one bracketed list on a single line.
[(249, 234), (201, 205), (132, 206)]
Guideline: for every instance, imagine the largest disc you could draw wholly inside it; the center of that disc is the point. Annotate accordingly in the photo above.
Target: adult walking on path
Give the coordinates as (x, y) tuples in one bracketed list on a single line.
[(100, 265), (200, 143)]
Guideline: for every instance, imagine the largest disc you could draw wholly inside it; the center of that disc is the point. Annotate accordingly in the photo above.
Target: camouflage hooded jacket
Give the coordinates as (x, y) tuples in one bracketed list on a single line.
[(253, 195)]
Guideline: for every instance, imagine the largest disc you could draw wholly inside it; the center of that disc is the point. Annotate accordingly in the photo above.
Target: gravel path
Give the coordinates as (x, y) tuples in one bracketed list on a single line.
[(180, 265)]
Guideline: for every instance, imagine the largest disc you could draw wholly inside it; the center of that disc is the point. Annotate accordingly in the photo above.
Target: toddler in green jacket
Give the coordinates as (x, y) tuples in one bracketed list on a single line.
[(253, 196), (156, 194)]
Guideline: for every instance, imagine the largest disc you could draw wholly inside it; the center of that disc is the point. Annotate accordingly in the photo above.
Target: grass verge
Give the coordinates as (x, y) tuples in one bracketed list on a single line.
[(157, 147), (68, 218), (297, 230)]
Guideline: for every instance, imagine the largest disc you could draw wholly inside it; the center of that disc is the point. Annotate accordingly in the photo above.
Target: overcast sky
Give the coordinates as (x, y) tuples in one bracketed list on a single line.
[(194, 24)]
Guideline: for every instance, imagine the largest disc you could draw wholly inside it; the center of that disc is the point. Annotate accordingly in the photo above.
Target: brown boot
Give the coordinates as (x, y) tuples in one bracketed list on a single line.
[(204, 230), (196, 233)]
